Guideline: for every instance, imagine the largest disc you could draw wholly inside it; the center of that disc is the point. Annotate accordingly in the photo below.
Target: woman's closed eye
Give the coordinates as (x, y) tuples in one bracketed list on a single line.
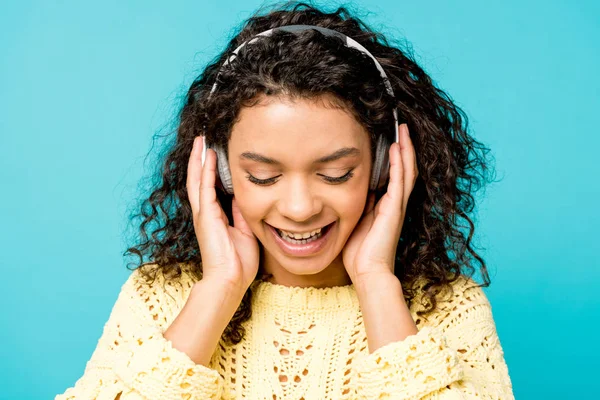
[(328, 179)]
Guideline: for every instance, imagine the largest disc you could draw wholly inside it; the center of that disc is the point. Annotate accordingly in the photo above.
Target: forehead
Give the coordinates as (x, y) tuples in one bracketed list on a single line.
[(298, 128)]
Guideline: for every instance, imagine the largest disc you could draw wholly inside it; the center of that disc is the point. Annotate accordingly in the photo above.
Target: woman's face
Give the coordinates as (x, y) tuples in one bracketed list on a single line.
[(298, 166)]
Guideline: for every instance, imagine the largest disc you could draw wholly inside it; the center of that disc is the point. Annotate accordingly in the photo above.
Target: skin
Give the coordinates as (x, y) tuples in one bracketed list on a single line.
[(362, 245), (361, 250), (296, 134)]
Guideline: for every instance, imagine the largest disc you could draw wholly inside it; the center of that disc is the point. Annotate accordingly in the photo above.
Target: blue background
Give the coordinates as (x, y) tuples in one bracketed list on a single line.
[(85, 85)]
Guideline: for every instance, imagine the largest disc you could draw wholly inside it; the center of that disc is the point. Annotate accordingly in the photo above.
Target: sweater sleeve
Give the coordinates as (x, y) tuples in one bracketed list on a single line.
[(459, 358), (133, 360)]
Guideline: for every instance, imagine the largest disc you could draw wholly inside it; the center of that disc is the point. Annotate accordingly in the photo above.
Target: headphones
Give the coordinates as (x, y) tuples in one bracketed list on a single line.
[(381, 165)]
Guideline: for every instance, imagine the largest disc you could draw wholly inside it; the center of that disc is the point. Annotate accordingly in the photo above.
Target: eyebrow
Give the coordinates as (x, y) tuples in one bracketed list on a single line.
[(336, 155)]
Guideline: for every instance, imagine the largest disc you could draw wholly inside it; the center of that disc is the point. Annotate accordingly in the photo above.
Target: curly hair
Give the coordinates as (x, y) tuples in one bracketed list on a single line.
[(452, 165)]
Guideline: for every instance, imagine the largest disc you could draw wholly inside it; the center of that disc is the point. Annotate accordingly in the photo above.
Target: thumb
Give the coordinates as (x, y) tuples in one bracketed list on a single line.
[(238, 220)]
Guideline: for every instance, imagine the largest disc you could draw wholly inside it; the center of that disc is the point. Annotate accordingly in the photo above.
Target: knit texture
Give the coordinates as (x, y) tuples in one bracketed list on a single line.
[(301, 344)]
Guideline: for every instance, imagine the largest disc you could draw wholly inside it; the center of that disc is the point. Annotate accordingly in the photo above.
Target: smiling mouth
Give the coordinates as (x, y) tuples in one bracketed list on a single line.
[(303, 240)]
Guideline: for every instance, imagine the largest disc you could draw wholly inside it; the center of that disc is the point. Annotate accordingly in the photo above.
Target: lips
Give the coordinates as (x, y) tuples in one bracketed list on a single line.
[(323, 229), (302, 250)]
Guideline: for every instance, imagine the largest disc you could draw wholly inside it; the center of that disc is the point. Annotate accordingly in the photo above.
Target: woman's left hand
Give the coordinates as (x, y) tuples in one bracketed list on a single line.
[(371, 248)]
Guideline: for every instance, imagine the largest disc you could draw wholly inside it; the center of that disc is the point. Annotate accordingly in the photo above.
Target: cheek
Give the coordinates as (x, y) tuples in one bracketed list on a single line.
[(253, 206), (356, 198), (248, 201), (350, 206)]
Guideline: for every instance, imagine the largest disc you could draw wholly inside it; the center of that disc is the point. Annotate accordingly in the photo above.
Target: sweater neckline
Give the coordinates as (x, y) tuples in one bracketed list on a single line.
[(276, 296)]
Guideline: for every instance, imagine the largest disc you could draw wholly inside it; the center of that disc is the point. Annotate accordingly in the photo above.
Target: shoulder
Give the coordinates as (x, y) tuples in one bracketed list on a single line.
[(152, 277), (466, 293), (159, 297), (462, 291), (461, 297)]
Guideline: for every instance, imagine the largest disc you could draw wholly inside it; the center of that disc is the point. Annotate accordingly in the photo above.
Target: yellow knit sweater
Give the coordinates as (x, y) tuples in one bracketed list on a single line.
[(300, 343)]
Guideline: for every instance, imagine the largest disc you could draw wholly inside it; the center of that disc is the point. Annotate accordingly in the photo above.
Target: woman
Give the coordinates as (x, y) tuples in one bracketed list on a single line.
[(305, 218)]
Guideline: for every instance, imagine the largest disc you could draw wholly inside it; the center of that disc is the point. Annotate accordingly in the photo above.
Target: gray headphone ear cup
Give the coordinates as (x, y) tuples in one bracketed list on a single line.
[(385, 168), (380, 164), (223, 170)]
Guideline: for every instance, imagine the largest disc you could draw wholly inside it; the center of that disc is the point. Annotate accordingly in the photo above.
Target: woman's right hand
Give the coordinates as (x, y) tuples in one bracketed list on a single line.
[(230, 254)]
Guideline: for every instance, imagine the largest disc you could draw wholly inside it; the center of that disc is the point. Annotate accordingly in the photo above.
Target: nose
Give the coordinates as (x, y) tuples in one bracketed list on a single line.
[(297, 201)]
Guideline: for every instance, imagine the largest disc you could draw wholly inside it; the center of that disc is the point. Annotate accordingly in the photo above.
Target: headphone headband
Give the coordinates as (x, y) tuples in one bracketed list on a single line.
[(325, 31), (381, 167)]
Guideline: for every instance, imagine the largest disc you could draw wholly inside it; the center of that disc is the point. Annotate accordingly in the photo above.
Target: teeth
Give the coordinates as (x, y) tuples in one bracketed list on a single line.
[(300, 236)]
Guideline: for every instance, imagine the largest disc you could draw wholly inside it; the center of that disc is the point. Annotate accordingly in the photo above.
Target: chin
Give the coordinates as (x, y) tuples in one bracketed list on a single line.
[(304, 267)]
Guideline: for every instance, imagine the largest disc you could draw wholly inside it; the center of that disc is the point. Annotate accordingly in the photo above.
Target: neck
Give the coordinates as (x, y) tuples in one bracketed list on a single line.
[(333, 275), (295, 301)]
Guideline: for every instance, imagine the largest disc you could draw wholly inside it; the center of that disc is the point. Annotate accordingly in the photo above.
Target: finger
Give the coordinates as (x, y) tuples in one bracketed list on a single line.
[(408, 163), (224, 217), (194, 170), (395, 190), (207, 192), (238, 220), (203, 149), (389, 209), (209, 203), (409, 155)]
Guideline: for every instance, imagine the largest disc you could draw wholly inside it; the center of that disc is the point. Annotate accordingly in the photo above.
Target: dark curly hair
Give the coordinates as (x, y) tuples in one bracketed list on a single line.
[(451, 164)]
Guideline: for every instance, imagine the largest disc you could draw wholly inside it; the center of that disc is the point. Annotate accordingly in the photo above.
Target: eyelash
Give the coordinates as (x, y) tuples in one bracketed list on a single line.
[(329, 179)]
